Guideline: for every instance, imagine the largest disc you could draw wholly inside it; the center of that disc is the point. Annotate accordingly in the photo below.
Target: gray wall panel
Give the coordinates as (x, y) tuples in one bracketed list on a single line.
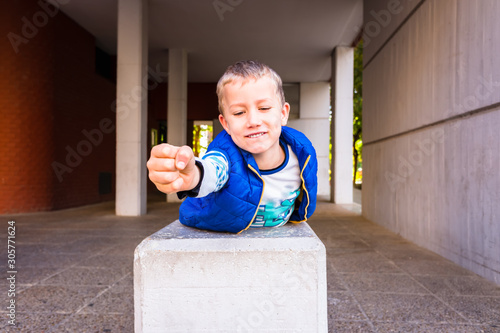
[(431, 116)]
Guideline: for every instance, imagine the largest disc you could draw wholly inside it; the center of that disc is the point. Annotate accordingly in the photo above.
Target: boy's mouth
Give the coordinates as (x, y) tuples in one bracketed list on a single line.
[(256, 135)]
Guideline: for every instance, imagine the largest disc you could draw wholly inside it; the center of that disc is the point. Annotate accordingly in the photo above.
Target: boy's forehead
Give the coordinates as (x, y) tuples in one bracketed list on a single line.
[(239, 83)]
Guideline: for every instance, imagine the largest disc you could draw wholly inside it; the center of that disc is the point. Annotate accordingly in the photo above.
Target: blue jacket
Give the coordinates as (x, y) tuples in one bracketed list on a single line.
[(234, 207)]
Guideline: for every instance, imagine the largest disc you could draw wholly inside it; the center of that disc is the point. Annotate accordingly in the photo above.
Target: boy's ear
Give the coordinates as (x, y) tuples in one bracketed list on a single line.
[(285, 112), (223, 123)]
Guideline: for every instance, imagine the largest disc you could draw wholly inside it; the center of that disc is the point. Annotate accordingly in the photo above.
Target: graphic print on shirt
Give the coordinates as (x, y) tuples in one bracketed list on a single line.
[(270, 215)]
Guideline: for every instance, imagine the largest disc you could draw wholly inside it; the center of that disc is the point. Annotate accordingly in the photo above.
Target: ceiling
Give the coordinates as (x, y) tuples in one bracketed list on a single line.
[(294, 37)]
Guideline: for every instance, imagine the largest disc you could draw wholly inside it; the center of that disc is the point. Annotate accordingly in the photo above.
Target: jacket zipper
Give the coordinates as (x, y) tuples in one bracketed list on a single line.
[(305, 190), (260, 200)]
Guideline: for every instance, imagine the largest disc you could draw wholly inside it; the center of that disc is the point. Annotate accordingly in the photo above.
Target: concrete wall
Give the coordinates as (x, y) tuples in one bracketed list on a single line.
[(431, 118), (314, 123)]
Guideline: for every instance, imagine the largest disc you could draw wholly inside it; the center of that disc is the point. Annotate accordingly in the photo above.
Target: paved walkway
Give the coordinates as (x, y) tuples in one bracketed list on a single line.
[(75, 274)]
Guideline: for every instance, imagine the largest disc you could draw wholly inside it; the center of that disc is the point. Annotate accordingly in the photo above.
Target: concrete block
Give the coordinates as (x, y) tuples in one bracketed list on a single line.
[(266, 279)]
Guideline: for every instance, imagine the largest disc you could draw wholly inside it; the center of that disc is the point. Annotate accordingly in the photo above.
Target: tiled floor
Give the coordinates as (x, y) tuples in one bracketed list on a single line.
[(74, 274)]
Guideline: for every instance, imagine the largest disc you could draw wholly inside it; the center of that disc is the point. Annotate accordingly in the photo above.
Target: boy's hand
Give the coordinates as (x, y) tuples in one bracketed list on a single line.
[(172, 169)]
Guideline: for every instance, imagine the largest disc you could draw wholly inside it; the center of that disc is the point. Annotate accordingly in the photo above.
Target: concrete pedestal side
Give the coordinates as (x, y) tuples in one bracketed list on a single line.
[(266, 279)]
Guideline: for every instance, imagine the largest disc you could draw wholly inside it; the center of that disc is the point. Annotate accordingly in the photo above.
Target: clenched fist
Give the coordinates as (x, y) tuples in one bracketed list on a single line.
[(172, 169)]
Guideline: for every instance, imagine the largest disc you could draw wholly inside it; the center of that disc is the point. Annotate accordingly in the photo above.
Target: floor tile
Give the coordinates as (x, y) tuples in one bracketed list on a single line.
[(417, 266), (363, 262), (384, 283), (406, 308), (406, 252), (55, 299), (83, 276), (477, 309), (106, 260), (124, 285), (334, 281), (111, 303), (459, 285), (35, 322), (347, 241), (350, 326), (342, 306), (96, 323), (401, 327), (48, 260)]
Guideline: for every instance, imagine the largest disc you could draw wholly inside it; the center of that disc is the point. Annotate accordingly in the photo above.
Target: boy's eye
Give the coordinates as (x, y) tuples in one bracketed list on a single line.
[(264, 108), (237, 113)]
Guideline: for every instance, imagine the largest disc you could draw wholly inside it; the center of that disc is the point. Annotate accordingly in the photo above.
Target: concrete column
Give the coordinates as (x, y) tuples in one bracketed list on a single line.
[(131, 108), (177, 101), (314, 109), (341, 126)]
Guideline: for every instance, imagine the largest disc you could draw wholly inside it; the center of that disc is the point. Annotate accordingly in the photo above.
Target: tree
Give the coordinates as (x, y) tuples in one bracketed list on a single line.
[(357, 137)]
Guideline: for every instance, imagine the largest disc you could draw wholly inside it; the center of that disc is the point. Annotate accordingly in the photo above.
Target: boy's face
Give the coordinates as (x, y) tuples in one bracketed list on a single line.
[(253, 116)]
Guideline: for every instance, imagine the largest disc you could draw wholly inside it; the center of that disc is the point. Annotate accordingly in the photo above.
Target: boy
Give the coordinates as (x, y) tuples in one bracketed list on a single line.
[(256, 173)]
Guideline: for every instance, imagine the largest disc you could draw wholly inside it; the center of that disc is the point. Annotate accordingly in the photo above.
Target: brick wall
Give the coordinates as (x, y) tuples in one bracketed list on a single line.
[(82, 105), (26, 99), (49, 94)]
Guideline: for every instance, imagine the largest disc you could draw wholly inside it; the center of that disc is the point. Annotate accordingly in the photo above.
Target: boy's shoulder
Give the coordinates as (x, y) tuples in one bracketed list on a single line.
[(297, 139), (294, 135)]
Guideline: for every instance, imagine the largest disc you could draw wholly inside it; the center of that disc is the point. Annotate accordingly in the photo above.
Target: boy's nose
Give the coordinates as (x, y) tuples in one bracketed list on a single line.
[(254, 119)]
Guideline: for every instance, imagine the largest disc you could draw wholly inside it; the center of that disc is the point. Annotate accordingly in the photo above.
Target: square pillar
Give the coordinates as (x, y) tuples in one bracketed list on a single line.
[(177, 101), (341, 126), (131, 108)]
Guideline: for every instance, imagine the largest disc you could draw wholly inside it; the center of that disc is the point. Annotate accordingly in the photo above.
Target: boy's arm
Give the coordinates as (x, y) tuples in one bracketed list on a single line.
[(216, 172), (173, 169)]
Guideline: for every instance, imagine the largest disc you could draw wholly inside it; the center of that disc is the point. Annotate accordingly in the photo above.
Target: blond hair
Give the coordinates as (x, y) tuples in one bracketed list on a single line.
[(245, 70)]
